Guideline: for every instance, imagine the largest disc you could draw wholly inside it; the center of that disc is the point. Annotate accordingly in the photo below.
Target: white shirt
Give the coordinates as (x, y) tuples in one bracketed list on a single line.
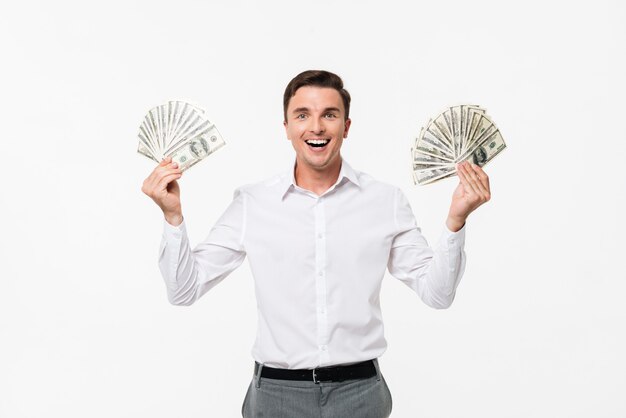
[(318, 264)]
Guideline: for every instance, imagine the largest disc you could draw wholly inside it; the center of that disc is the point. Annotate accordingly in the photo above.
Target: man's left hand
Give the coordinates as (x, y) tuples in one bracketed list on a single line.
[(472, 191)]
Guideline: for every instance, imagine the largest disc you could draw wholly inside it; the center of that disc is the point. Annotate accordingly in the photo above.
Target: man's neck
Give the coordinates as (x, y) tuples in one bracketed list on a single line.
[(317, 181)]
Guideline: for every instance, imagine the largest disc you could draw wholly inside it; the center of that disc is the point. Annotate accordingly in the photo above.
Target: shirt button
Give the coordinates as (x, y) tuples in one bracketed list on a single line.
[(321, 273), (323, 348), (320, 235)]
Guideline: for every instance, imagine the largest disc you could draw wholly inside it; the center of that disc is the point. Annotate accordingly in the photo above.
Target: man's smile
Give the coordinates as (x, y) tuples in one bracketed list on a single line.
[(317, 143)]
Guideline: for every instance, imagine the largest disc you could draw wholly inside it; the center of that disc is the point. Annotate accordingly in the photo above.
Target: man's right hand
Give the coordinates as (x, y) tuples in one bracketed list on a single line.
[(162, 187)]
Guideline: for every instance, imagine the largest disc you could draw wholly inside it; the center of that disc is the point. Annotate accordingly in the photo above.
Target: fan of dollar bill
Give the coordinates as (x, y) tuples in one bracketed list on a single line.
[(457, 134), (178, 130)]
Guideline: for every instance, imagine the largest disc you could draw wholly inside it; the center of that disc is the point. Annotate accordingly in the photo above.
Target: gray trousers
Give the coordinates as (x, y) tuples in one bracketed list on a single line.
[(363, 398)]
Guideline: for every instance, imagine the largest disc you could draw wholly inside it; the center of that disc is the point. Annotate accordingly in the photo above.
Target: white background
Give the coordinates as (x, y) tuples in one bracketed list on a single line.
[(537, 329)]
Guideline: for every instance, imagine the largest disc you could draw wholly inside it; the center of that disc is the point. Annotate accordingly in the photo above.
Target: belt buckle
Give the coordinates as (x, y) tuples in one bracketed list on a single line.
[(315, 378)]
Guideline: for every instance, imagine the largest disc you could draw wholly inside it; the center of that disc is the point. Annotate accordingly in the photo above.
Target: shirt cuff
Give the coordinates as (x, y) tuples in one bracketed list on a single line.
[(174, 231), (452, 237)]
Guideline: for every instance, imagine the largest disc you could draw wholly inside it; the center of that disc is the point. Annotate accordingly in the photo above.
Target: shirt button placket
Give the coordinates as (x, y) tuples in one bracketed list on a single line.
[(320, 281)]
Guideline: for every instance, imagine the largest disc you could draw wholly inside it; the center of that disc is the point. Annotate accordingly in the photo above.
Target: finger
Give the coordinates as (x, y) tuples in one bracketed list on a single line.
[(464, 178), (165, 161), (167, 172), (476, 180), (155, 179), (482, 182), (482, 176), (472, 180), (465, 174), (166, 180), (162, 168), (169, 165)]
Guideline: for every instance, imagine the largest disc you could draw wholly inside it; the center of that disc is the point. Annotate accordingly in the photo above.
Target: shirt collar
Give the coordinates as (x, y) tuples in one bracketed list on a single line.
[(288, 182)]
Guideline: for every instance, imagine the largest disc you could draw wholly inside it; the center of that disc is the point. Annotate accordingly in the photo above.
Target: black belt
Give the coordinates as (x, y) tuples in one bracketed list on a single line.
[(321, 374)]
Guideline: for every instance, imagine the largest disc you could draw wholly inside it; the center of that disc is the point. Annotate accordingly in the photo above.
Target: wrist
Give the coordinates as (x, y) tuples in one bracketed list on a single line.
[(455, 223), (174, 219)]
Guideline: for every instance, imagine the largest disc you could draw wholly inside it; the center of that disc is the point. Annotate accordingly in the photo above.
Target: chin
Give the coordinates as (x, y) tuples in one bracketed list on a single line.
[(321, 163)]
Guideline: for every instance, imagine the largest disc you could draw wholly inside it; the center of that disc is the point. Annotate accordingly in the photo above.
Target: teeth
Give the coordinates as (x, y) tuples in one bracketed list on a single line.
[(317, 141)]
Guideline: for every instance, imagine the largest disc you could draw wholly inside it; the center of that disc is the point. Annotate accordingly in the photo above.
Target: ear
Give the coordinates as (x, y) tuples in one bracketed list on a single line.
[(286, 133), (347, 124)]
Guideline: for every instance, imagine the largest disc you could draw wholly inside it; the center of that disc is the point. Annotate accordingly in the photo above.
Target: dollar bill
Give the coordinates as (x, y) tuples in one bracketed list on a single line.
[(427, 149), (455, 121), (143, 150), (481, 153), (179, 130), (484, 128), (428, 139), (420, 158), (422, 166), (431, 175), (459, 133), (441, 123), (440, 137), (144, 137), (197, 149), (470, 123)]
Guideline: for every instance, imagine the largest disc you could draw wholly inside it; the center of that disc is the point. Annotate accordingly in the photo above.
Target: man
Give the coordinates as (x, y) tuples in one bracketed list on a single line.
[(318, 238)]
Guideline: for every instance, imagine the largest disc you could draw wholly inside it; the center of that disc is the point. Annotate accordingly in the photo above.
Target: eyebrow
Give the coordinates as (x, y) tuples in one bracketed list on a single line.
[(306, 110)]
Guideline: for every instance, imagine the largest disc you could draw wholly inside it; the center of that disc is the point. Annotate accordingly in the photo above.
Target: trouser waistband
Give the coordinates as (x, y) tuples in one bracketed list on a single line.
[(338, 373)]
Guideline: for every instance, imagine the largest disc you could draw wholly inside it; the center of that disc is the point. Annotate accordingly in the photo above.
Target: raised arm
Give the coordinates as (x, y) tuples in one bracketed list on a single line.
[(187, 273), (434, 273)]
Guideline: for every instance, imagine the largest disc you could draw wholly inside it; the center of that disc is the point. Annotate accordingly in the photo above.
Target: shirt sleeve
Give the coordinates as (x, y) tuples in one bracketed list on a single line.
[(433, 274), (188, 273)]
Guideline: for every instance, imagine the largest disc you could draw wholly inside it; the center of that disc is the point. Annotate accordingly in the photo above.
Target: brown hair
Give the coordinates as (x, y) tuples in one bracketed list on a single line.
[(317, 78)]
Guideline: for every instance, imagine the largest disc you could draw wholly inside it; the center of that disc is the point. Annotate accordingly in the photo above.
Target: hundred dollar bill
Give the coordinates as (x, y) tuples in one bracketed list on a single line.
[(455, 121), (485, 151), (160, 121), (463, 132), (483, 129), (420, 167), (437, 138), (430, 139), (197, 149), (461, 125), (428, 143), (197, 131), (441, 124), (179, 110), (469, 123), (180, 130), (433, 174), (143, 150), (189, 127), (171, 118), (420, 158), (144, 137), (428, 149), (440, 133)]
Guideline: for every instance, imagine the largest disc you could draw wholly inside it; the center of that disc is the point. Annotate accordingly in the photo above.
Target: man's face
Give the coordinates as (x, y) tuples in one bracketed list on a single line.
[(316, 127)]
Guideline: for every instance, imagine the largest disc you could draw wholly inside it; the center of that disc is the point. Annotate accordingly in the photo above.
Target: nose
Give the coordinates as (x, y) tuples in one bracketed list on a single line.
[(317, 126)]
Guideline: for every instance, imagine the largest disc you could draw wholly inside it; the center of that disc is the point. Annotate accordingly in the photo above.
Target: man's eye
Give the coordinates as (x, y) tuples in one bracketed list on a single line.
[(301, 116), (331, 115)]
